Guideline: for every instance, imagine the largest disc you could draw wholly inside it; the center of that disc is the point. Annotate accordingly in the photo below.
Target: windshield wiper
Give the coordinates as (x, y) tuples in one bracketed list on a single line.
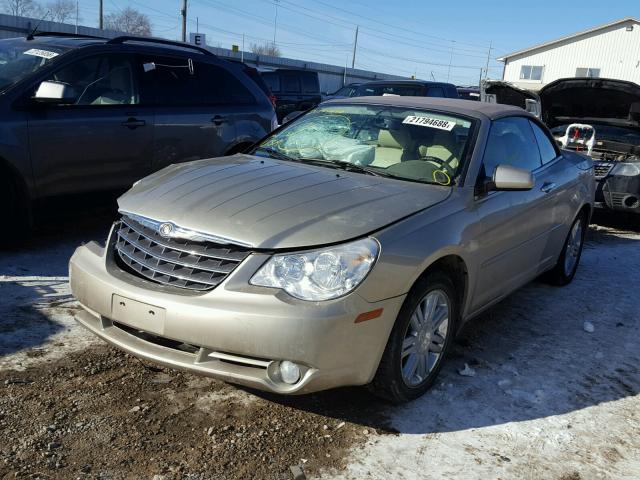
[(277, 154), (352, 167)]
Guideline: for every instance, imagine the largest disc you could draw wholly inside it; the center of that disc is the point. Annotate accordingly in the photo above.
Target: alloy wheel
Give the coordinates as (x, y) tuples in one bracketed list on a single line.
[(425, 337)]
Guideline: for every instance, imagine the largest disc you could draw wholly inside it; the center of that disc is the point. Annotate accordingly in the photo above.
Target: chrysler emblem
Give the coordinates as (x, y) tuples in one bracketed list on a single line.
[(165, 229)]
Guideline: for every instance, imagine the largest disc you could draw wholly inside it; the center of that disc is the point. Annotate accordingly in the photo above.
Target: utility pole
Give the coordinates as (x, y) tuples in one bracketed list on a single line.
[(77, 15), (183, 12), (275, 22), (450, 59), (486, 70), (101, 20), (355, 45)]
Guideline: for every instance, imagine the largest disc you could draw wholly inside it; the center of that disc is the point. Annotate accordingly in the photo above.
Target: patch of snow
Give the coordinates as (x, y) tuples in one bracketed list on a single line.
[(551, 403)]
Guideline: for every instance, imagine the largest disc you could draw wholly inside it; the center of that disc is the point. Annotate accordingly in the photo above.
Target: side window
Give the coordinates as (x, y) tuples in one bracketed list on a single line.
[(435, 92), (511, 142), (100, 80), (407, 90), (310, 84), (272, 80), (221, 86), (172, 82), (547, 150), (290, 84)]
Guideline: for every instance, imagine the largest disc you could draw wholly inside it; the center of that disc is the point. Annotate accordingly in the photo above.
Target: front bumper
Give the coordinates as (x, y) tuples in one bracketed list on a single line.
[(236, 332)]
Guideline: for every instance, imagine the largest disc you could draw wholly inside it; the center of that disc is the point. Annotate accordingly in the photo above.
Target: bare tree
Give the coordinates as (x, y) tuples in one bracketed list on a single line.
[(128, 20), (22, 8), (265, 49), (61, 10)]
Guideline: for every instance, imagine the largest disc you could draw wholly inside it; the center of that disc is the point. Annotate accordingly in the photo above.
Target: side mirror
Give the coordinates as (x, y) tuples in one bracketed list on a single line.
[(55, 93), (506, 177)]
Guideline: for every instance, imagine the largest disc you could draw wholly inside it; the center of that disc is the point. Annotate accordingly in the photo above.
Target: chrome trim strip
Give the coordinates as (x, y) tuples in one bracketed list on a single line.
[(237, 359), (184, 233)]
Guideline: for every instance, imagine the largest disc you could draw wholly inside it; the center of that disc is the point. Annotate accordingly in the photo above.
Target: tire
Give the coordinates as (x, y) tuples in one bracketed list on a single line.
[(17, 213), (392, 381), (565, 269)]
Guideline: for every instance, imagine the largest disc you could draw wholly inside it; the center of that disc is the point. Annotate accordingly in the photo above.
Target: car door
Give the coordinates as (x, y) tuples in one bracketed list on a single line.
[(513, 226), (189, 124), (102, 140), (557, 180)]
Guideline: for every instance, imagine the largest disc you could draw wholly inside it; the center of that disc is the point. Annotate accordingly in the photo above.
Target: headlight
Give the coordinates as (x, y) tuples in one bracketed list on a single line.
[(319, 274), (626, 169)]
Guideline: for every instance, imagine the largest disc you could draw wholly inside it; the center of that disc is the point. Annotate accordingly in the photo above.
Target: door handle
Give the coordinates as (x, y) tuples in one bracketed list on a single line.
[(547, 187), (218, 120), (133, 123)]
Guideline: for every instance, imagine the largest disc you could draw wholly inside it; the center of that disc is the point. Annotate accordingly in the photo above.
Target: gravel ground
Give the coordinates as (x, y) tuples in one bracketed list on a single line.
[(546, 398)]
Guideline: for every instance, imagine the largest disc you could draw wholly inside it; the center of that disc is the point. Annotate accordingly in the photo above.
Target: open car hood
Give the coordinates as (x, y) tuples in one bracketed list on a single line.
[(591, 100), (273, 204), (508, 94)]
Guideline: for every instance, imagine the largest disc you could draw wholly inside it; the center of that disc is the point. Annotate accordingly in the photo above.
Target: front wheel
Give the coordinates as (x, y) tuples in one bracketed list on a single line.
[(419, 341), (564, 271), (17, 213)]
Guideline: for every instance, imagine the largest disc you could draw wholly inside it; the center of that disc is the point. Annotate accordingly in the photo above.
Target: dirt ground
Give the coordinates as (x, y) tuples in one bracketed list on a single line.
[(547, 399), (99, 413)]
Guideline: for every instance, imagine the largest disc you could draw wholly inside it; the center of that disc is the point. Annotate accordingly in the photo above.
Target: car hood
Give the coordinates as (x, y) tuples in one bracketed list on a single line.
[(508, 94), (273, 204), (591, 100)]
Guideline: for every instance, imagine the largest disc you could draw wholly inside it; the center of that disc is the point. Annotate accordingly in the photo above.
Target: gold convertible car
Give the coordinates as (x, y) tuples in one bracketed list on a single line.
[(346, 248)]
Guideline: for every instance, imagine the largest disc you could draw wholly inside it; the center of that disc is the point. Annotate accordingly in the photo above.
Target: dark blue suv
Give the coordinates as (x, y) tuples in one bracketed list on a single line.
[(83, 114)]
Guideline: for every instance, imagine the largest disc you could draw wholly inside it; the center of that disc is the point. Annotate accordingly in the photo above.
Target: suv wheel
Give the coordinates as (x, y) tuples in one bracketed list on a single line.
[(564, 271), (17, 213), (419, 341)]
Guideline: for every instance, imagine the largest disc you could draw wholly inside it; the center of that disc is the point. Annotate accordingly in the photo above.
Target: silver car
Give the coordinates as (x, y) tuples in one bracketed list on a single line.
[(348, 248)]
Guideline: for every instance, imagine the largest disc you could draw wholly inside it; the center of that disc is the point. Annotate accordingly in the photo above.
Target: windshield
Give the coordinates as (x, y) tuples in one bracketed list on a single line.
[(409, 144), (19, 58)]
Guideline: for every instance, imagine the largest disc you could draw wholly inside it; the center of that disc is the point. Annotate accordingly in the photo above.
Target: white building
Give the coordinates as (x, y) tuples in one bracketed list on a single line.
[(607, 51)]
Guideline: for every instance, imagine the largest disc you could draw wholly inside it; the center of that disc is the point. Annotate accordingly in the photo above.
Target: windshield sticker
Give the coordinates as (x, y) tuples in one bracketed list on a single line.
[(430, 122), (41, 53)]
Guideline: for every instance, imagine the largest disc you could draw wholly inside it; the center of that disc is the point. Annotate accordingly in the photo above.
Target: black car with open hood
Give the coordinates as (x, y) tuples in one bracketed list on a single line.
[(601, 118)]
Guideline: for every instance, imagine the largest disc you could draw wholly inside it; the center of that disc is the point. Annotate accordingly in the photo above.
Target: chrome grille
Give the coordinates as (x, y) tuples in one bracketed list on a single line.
[(601, 169), (175, 262)]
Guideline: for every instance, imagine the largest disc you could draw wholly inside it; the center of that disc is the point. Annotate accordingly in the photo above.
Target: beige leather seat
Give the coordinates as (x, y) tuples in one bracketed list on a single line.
[(390, 148), (442, 147), (116, 87)]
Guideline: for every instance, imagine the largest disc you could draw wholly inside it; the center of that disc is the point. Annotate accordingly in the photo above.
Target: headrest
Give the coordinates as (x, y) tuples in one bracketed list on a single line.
[(391, 139)]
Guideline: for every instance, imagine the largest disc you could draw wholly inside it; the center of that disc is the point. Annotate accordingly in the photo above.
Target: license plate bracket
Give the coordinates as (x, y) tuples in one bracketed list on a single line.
[(133, 313)]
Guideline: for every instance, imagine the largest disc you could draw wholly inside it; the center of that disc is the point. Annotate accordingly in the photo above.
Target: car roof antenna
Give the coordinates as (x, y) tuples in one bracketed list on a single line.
[(31, 34)]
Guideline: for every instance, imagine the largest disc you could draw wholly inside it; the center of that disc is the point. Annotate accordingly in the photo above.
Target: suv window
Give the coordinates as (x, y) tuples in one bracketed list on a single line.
[(435, 92), (272, 80), (511, 142), (209, 84), (310, 84), (547, 150), (219, 86), (290, 84), (100, 80)]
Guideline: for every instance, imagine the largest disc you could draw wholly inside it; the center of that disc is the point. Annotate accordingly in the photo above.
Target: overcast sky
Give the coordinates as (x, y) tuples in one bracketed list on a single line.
[(401, 37)]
